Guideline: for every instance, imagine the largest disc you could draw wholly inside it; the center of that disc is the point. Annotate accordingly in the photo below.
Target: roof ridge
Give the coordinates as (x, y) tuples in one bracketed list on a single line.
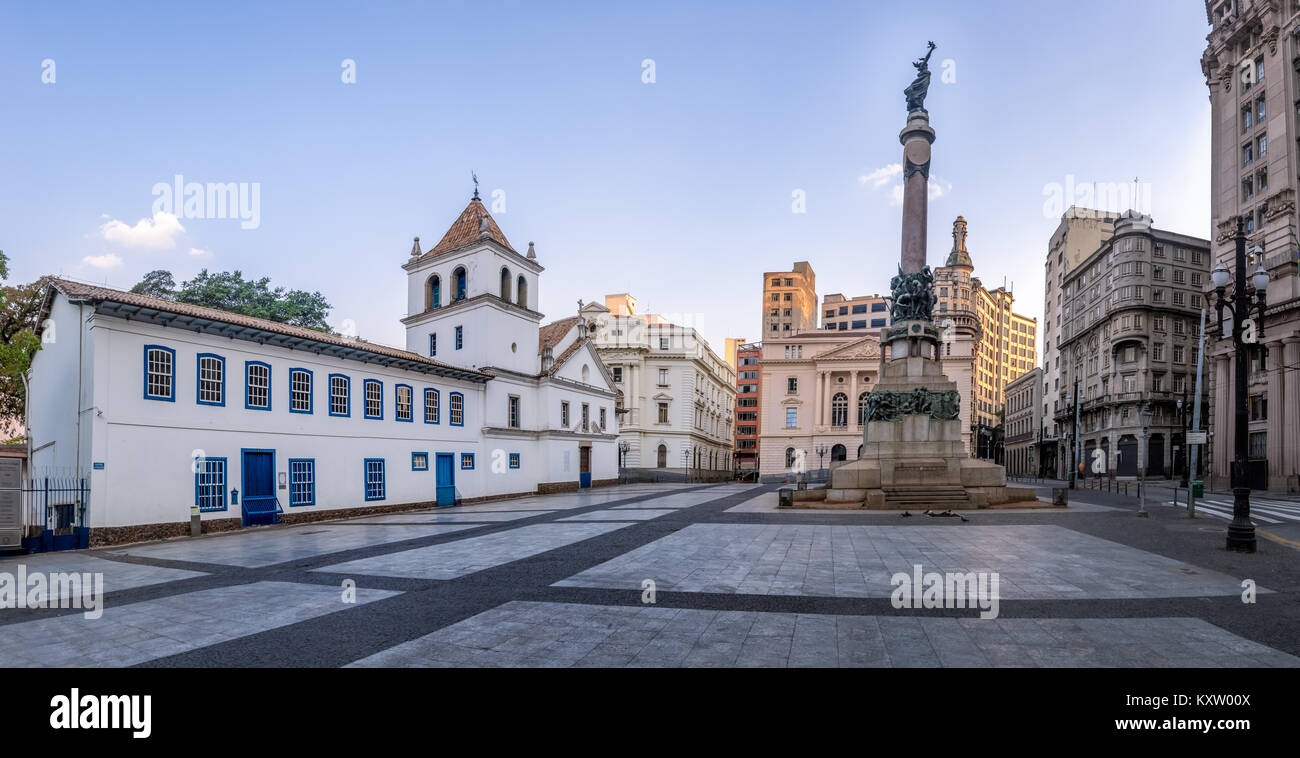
[(71, 288)]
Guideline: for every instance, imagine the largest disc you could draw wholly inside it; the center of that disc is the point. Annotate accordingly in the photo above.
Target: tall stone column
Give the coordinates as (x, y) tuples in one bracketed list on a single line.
[(1289, 408), (916, 138), (1277, 450)]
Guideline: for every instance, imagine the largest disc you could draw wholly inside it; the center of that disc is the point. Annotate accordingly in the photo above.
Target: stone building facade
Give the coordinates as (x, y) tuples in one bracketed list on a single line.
[(1023, 423), (1129, 323), (1005, 342), (678, 397), (813, 389), (1080, 234), (1254, 84)]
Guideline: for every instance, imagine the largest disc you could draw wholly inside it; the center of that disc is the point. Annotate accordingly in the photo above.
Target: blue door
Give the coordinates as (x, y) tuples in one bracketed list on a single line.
[(259, 505), (446, 479), (584, 467)]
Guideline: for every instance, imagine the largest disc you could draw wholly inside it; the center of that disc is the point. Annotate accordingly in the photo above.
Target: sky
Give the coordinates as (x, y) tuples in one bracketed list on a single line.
[(675, 151)]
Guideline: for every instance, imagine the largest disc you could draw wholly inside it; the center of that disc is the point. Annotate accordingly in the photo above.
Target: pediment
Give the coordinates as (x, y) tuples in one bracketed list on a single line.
[(864, 348)]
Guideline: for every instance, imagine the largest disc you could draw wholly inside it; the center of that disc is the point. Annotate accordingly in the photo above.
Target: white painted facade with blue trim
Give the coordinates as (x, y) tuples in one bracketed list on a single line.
[(171, 435)]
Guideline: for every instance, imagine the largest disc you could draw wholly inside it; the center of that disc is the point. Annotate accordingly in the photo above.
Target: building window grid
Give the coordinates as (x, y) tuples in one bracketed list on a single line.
[(210, 484), (302, 481), (257, 381), (212, 379), (299, 390), (374, 483), (374, 399)]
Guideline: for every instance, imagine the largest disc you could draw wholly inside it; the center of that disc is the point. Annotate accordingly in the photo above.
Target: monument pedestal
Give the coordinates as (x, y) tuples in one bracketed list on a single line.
[(912, 452)]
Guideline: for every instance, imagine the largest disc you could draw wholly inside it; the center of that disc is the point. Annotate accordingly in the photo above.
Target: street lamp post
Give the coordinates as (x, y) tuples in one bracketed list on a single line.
[(1183, 409), (821, 453), (1145, 415), (1241, 532), (1072, 400), (623, 447)]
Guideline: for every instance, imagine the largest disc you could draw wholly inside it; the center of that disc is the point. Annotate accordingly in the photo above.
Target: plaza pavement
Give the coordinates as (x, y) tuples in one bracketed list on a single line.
[(560, 580)]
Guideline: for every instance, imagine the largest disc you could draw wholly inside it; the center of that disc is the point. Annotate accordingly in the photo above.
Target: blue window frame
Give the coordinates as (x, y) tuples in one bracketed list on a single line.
[(374, 478), (862, 324), (210, 388), (159, 373), (878, 307), (373, 398), (340, 395), (457, 409), (210, 484), (514, 460), (467, 461), (860, 308), (431, 409), (404, 403), (302, 481), (460, 337), (419, 461), (433, 344), (460, 280), (877, 322), (300, 389), (257, 385)]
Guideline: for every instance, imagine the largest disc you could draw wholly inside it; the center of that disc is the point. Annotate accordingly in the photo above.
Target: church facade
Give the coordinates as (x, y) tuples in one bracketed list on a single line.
[(165, 406)]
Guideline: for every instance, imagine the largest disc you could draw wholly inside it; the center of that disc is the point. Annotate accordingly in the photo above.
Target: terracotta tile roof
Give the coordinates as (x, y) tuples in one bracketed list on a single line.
[(81, 291), (568, 352), (551, 333), (464, 231)]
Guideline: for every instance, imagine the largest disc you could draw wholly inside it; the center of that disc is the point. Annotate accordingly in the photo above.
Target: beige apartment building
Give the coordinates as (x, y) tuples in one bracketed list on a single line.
[(1128, 328), (1080, 234), (789, 301), (1005, 342), (1254, 83), (1023, 423), (855, 314)]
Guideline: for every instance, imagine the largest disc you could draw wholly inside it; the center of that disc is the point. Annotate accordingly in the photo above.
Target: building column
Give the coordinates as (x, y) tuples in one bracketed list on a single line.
[(1289, 407), (853, 399), (1277, 450), (1222, 421), (823, 408)]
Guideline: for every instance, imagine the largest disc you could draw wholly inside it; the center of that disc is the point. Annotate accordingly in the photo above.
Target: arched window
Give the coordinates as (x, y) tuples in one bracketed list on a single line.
[(838, 453), (789, 457), (840, 409), (505, 284), (663, 456), (460, 280), (862, 412), (521, 292), (859, 451), (432, 293)]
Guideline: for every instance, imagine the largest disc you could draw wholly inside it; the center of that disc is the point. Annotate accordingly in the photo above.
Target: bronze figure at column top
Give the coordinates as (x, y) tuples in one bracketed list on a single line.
[(916, 91)]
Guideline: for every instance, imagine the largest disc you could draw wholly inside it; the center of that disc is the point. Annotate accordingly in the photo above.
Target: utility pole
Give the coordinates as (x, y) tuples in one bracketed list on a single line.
[(1074, 437), (1196, 421)]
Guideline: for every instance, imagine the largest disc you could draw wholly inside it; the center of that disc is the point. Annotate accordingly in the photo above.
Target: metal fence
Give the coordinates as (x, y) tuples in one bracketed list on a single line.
[(57, 504)]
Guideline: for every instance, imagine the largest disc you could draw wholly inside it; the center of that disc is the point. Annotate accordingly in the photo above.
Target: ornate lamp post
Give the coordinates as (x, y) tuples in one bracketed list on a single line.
[(821, 453), (1072, 400), (1244, 332), (623, 447), (1146, 414)]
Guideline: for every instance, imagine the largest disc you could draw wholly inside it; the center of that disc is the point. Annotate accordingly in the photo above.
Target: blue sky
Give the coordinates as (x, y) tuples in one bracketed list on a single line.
[(679, 191)]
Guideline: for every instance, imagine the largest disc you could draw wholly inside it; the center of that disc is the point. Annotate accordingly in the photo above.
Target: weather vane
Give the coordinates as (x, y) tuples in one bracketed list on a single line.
[(475, 176)]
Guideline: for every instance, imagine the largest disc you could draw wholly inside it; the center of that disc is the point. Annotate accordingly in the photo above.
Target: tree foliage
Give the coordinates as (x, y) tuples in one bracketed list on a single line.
[(20, 307), (230, 291)]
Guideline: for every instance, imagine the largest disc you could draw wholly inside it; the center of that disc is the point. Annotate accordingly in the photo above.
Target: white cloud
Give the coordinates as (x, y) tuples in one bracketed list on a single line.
[(107, 260), (893, 176), (882, 176), (157, 233), (198, 253)]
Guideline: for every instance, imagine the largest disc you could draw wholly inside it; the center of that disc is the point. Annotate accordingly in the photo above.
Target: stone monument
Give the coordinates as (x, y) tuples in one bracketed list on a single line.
[(912, 450)]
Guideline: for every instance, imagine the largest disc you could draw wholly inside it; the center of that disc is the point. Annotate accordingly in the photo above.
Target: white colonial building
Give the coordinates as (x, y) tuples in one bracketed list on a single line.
[(677, 396), (166, 406)]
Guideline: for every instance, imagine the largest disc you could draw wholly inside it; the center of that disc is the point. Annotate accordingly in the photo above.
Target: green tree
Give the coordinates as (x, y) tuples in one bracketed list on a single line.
[(230, 291), (157, 283), (20, 307)]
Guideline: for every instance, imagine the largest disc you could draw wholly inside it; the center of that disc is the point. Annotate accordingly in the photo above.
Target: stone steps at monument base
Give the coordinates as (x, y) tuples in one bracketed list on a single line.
[(925, 495)]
